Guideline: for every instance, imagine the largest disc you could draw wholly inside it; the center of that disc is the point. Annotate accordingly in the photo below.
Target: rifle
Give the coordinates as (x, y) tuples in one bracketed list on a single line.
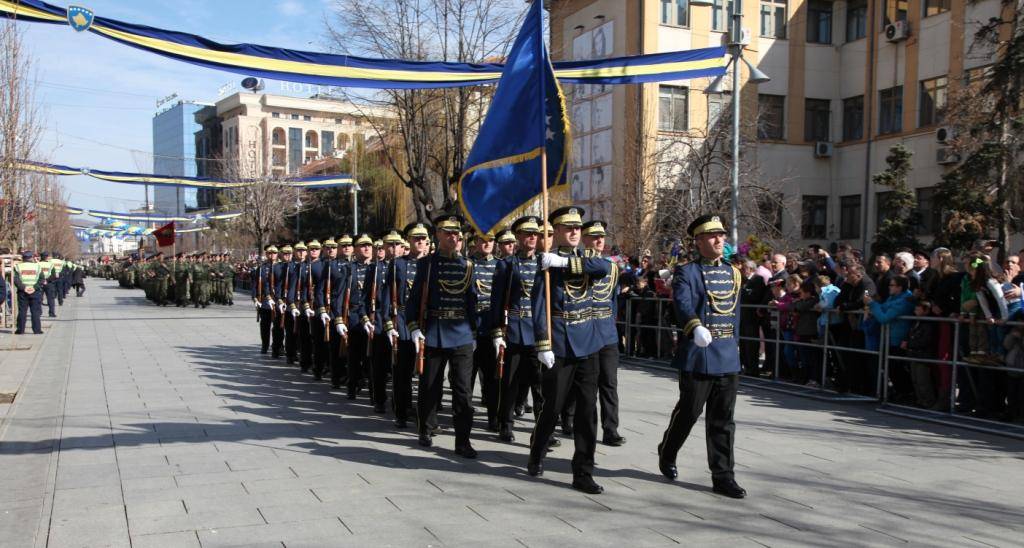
[(373, 310), (259, 291), (343, 345), (504, 320), (421, 352), (394, 311), (327, 302), (287, 271), (298, 297), (273, 307)]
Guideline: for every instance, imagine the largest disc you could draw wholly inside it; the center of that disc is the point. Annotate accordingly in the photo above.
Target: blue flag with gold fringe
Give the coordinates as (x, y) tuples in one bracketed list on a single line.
[(527, 115)]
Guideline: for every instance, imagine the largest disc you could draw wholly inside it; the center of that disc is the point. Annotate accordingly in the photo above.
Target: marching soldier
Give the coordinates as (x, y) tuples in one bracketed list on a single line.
[(358, 363), (263, 296), (512, 314), (228, 280), (280, 283), (485, 355), (336, 298), (200, 287), (705, 294), (320, 325), (375, 320), (442, 322), (605, 311), (345, 248), (292, 340), (567, 348), (400, 276), (28, 282), (182, 281), (306, 281)]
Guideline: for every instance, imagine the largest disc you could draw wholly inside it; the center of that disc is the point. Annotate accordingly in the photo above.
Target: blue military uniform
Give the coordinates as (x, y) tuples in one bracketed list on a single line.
[(442, 307), (705, 295), (280, 283), (574, 338), (375, 312), (319, 330), (305, 286), (335, 291), (512, 318), (485, 359), (399, 279), (292, 341), (358, 361), (263, 296)]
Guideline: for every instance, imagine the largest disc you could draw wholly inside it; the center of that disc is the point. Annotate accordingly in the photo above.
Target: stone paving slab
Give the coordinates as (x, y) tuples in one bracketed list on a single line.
[(144, 426)]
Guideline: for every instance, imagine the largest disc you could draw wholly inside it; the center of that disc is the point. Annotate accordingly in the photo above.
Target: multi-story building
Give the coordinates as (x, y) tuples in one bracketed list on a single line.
[(174, 153), (274, 135), (849, 79)]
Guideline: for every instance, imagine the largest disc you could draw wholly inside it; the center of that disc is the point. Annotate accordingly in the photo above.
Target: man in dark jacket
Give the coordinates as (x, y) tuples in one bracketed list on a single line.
[(753, 293), (855, 371)]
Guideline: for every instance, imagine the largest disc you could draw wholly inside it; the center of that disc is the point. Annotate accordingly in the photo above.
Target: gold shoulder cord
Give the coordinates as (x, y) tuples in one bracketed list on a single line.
[(458, 287), (602, 291), (714, 299)]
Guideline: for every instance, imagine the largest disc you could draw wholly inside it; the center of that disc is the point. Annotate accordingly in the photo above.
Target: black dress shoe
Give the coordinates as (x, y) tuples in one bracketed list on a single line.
[(435, 430), (535, 469), (400, 423), (527, 408), (586, 484), (506, 435), (492, 425), (519, 411), (466, 451), (567, 430), (425, 440), (615, 441), (554, 442), (668, 469), (729, 488)]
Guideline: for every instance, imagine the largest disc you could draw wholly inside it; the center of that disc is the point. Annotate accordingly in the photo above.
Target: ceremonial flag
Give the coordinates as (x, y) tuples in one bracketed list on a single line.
[(527, 115), (165, 235)]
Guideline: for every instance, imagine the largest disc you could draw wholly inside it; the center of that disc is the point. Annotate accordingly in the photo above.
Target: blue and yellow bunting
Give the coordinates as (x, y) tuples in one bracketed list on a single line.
[(350, 71)]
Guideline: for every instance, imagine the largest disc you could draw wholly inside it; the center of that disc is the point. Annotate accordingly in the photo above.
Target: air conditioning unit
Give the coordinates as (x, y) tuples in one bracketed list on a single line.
[(823, 149), (729, 38), (944, 156), (897, 32), (944, 135)]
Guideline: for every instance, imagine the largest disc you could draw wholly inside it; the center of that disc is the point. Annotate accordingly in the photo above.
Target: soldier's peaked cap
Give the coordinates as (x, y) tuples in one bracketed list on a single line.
[(706, 224)]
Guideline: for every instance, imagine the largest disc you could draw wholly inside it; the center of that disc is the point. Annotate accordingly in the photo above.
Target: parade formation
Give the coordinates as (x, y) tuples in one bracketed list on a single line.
[(436, 302)]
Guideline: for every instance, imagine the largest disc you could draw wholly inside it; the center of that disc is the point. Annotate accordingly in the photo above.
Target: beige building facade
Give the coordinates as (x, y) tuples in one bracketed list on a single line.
[(275, 135), (849, 79)]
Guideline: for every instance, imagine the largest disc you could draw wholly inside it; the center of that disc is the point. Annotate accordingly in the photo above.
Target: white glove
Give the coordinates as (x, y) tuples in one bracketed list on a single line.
[(281, 308), (393, 335), (310, 312), (547, 358), (325, 317), (418, 338), (256, 304), (701, 336), (295, 312), (553, 260), (499, 344), (342, 329), (368, 327), (270, 302), (665, 274)]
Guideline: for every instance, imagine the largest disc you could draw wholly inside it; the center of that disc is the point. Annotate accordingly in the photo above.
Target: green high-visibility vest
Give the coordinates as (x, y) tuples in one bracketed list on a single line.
[(45, 267), (29, 273)]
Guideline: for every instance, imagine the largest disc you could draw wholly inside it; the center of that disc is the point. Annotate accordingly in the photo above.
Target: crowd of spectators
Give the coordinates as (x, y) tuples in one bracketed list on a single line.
[(858, 305)]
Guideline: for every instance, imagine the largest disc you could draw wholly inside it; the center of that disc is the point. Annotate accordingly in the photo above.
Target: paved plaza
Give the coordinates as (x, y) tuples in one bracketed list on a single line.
[(142, 426)]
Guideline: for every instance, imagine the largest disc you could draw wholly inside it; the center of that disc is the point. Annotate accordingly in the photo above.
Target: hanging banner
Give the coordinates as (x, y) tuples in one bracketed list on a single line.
[(319, 181), (348, 71), (111, 216)]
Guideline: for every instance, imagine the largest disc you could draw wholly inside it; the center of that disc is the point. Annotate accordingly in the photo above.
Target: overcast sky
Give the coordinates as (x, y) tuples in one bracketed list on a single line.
[(98, 97)]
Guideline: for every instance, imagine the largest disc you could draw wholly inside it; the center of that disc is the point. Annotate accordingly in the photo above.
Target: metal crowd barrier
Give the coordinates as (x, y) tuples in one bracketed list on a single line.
[(962, 374)]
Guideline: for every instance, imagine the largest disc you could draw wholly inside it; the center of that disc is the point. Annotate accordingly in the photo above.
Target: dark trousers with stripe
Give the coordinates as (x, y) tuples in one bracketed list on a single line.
[(305, 342), (380, 367), (460, 365), (401, 379), (579, 377), (520, 375), (607, 362), (718, 395), (485, 363), (320, 346), (291, 337), (266, 317), (338, 358), (277, 335), (358, 362)]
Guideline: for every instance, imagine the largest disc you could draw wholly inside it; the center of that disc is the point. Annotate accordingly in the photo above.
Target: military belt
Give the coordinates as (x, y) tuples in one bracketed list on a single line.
[(447, 314)]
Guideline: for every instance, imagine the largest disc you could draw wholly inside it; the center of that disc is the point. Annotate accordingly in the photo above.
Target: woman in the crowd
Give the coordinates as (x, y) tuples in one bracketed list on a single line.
[(945, 299), (890, 313)]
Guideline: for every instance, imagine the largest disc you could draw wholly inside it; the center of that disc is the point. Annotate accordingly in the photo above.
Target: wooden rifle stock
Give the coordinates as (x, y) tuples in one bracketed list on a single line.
[(421, 352), (327, 303), (373, 311), (273, 307), (394, 312), (343, 345), (287, 271)]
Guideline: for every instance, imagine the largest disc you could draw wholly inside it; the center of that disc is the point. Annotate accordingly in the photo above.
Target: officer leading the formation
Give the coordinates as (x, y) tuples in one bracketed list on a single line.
[(705, 294)]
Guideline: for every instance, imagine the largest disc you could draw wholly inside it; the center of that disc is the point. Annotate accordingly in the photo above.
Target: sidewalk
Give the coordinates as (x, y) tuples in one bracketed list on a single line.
[(145, 426)]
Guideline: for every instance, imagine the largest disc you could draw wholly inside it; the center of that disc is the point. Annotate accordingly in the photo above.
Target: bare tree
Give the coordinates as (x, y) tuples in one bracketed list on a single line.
[(434, 126), (50, 226), (20, 131), (264, 203)]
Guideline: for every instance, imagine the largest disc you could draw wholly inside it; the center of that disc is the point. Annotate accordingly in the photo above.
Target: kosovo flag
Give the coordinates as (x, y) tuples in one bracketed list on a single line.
[(527, 115)]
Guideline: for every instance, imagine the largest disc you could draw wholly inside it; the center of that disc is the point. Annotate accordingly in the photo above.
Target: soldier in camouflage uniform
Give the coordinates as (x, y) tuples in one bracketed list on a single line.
[(182, 281), (201, 282)]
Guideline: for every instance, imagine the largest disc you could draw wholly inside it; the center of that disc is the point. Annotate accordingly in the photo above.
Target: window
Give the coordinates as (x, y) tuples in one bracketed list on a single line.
[(773, 18), (672, 108), (721, 15), (856, 19), (337, 120), (675, 13), (307, 118), (275, 114), (885, 209), (277, 137), (849, 217), (294, 148), (928, 216), (935, 7), (894, 10), (295, 116), (770, 116), (815, 216), (816, 119), (853, 118), (819, 22), (890, 110), (933, 101), (327, 143), (770, 206), (718, 109)]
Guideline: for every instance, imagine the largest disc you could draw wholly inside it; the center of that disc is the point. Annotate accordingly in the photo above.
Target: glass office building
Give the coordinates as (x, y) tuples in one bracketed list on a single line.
[(174, 153)]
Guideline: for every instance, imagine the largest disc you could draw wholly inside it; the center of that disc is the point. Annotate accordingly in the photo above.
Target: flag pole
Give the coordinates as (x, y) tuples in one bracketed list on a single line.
[(547, 242)]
